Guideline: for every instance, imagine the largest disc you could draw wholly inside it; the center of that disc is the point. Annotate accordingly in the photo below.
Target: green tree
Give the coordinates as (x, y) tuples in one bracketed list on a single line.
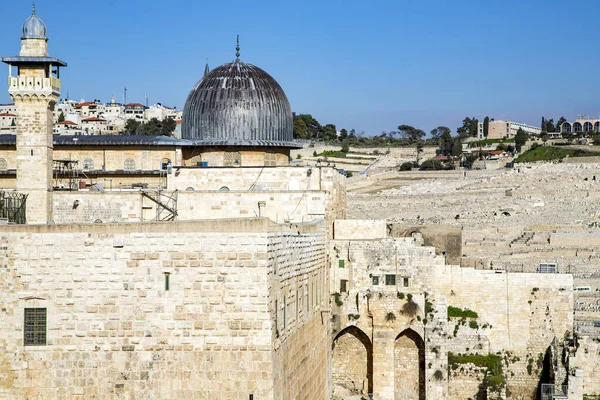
[(550, 125), (61, 117), (486, 126), (328, 133), (131, 127), (446, 143), (168, 126), (343, 134), (544, 137), (309, 128), (544, 126), (520, 139), (411, 133), (469, 127), (457, 148), (437, 133), (560, 121), (300, 129)]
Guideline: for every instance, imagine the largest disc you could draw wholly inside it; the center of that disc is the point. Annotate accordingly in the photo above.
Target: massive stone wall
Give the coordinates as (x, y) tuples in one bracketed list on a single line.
[(518, 315), (298, 279), (289, 195), (116, 331)]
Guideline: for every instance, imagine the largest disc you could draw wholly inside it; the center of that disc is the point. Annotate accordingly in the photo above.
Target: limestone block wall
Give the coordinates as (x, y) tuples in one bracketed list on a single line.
[(246, 156), (130, 206), (259, 179), (350, 229), (587, 359), (294, 206), (298, 278), (34, 153), (116, 331), (391, 314), (518, 299), (519, 316), (9, 154), (103, 207), (112, 158)]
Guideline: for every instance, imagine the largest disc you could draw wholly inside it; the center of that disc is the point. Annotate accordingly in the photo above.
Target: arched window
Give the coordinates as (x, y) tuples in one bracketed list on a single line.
[(88, 164), (129, 164), (597, 127), (566, 127), (3, 164), (587, 126), (577, 127)]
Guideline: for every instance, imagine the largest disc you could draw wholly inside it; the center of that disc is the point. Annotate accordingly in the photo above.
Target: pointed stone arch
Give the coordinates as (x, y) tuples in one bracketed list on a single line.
[(409, 366), (352, 362)]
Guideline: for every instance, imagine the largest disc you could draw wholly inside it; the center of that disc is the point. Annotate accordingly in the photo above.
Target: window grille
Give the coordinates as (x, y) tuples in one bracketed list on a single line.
[(343, 286), (390, 280), (129, 164), (547, 268), (88, 164), (35, 327)]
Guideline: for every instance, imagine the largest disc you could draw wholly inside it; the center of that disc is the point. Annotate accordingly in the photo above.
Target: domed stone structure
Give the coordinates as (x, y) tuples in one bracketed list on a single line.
[(237, 109), (34, 27), (240, 104)]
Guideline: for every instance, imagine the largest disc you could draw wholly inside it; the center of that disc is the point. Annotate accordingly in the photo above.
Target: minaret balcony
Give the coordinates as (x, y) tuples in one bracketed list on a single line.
[(34, 84)]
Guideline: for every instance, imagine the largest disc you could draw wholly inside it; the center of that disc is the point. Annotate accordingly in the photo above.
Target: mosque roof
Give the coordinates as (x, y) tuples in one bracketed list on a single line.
[(238, 104)]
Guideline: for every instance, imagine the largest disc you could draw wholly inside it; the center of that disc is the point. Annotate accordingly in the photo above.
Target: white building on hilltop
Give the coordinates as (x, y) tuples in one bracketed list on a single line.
[(499, 129)]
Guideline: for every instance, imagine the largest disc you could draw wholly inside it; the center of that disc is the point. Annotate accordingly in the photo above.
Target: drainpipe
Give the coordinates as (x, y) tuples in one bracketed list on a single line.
[(261, 208)]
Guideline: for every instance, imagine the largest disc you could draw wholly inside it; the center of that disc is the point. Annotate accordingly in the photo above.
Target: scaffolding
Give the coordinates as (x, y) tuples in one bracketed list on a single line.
[(13, 207), (166, 204), (66, 175)]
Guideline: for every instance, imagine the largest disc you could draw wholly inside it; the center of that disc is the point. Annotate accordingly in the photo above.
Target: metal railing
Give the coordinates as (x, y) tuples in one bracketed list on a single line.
[(551, 392), (13, 207)]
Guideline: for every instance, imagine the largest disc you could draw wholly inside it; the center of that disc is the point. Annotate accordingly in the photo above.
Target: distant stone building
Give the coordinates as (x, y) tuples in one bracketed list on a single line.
[(581, 125), (498, 129)]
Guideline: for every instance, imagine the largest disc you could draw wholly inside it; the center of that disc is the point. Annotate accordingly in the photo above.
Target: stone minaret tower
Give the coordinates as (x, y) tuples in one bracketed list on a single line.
[(35, 91)]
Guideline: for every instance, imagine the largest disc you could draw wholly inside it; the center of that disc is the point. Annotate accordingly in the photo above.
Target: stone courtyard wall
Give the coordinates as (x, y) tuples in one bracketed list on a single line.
[(115, 332)]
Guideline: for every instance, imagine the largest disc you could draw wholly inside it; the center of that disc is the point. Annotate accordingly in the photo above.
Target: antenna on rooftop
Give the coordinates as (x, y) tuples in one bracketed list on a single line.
[(146, 101), (124, 96)]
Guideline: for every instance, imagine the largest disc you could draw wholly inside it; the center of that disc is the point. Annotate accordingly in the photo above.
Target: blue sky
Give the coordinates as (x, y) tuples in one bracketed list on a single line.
[(368, 65)]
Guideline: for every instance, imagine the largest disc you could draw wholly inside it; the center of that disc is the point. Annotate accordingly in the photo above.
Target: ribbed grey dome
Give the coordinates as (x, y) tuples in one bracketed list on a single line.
[(34, 27), (238, 104)]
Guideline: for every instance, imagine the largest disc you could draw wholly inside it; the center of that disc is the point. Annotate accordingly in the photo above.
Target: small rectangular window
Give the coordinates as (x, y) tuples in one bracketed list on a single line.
[(167, 282), (341, 263), (375, 280), (343, 286), (35, 327), (390, 280), (284, 313), (405, 282), (276, 315)]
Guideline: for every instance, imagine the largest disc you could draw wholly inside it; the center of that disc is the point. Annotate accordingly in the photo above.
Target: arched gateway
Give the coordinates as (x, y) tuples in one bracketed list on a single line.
[(352, 362), (409, 366)]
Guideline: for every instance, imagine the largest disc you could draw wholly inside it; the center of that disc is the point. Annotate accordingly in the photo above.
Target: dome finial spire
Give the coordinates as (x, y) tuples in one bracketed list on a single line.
[(206, 69), (237, 48), (33, 8)]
